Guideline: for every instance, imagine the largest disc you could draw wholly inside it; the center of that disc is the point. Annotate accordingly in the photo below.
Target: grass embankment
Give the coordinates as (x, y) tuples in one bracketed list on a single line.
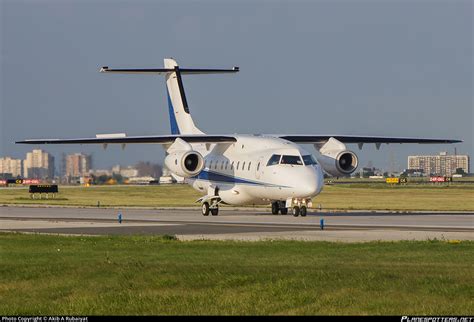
[(110, 196), (397, 198), (50, 275), (335, 197)]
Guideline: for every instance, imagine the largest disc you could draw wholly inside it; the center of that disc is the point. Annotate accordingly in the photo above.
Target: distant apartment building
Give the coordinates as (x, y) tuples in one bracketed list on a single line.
[(78, 165), (442, 164), (11, 168), (38, 165)]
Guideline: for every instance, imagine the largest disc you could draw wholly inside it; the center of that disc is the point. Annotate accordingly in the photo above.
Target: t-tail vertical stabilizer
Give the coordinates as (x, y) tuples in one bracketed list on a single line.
[(181, 121)]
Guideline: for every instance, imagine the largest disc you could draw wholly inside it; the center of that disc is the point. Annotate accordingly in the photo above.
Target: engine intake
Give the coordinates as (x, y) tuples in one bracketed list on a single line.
[(185, 163), (336, 159), (340, 163), (346, 162)]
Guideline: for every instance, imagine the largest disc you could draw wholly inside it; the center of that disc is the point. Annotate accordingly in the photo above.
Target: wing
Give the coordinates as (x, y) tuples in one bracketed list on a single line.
[(123, 139), (318, 139)]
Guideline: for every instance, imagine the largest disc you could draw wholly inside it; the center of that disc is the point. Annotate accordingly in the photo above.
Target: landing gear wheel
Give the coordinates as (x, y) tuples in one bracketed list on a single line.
[(275, 208), (215, 211), (303, 211), (284, 211), (296, 211), (205, 209)]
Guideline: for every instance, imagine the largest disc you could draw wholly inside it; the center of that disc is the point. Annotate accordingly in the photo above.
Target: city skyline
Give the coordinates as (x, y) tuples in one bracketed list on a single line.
[(79, 164), (39, 163)]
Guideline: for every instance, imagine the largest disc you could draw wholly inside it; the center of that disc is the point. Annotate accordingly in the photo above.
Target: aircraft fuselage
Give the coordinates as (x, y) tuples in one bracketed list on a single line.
[(242, 174)]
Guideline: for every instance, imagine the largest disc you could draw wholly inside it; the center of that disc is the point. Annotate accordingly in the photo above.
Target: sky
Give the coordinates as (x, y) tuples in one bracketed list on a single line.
[(388, 68)]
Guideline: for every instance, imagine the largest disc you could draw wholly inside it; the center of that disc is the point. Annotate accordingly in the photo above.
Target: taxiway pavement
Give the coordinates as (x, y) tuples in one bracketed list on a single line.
[(247, 224)]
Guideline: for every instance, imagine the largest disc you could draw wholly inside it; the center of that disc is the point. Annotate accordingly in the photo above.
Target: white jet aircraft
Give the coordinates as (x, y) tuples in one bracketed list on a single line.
[(242, 169)]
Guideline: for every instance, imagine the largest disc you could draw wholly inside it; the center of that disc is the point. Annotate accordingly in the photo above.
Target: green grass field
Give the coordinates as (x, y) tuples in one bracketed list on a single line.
[(58, 275), (333, 197)]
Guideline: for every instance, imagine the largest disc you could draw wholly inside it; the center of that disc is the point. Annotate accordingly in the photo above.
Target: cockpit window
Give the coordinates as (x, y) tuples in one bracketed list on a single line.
[(291, 159), (309, 160), (275, 159)]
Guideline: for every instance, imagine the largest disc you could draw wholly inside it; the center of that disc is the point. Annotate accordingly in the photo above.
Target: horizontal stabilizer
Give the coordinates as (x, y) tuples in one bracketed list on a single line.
[(164, 71)]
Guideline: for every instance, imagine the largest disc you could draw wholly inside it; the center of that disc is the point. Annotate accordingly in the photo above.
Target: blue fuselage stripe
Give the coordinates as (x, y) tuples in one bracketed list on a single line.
[(219, 177)]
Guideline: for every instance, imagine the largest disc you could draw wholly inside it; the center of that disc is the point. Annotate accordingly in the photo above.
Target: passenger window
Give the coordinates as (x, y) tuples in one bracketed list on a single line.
[(275, 159), (258, 166), (232, 165), (226, 164), (222, 165), (243, 166), (249, 166), (210, 164), (291, 159), (238, 162)]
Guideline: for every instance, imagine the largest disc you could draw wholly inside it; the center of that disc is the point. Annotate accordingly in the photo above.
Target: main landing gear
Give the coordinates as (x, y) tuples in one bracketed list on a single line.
[(279, 206), (206, 209), (210, 205)]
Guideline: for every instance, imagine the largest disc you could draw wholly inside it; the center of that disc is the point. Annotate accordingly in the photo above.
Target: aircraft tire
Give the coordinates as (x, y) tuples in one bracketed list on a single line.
[(284, 211), (215, 211), (275, 208), (303, 211), (205, 209), (296, 211)]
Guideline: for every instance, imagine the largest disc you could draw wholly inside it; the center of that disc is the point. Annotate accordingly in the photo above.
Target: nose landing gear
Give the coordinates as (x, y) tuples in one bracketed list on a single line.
[(299, 211), (303, 211), (298, 206), (296, 211)]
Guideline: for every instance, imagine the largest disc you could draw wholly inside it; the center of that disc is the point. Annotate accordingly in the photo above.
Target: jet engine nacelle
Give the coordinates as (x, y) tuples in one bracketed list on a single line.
[(336, 160), (185, 163)]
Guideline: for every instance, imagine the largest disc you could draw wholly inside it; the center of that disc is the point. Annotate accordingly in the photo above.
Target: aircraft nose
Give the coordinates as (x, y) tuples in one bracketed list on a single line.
[(312, 183)]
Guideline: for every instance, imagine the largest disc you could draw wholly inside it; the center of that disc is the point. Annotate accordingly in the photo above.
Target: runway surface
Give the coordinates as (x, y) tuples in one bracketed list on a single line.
[(189, 224)]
